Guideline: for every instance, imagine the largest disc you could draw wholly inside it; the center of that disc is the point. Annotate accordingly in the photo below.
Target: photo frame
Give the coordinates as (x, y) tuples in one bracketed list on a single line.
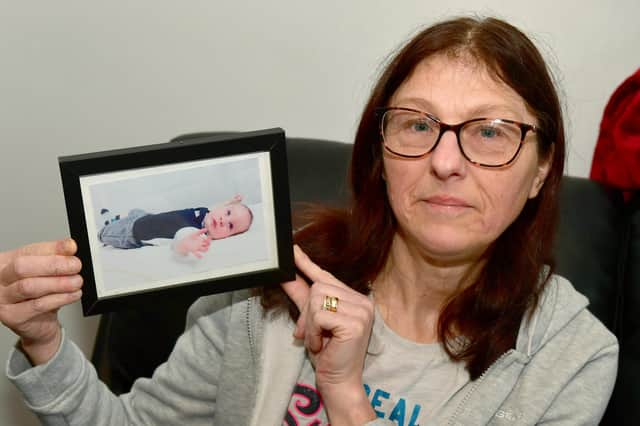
[(180, 219)]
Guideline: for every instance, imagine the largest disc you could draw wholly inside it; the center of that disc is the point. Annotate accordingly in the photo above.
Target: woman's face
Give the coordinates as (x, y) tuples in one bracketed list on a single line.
[(446, 207)]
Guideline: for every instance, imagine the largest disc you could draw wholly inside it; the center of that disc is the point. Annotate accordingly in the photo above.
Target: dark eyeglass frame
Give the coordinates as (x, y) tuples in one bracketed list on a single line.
[(444, 127)]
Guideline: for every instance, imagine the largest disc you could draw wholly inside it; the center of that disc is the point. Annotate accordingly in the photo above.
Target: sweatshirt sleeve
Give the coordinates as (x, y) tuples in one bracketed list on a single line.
[(67, 391), (584, 399)]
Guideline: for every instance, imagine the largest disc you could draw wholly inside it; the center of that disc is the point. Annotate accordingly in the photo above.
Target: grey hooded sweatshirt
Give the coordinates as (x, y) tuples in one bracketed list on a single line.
[(235, 366)]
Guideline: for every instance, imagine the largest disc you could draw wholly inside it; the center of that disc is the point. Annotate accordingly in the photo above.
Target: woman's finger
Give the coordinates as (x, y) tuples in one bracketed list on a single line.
[(321, 323), (313, 271), (65, 247), (349, 321), (298, 291), (342, 292), (39, 266), (33, 288), (309, 299), (17, 314)]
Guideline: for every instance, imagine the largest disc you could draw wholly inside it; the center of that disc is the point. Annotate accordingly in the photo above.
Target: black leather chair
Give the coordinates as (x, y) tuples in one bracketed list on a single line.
[(597, 248)]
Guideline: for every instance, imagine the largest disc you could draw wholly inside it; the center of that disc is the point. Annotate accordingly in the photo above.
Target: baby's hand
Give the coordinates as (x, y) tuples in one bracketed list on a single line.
[(195, 243)]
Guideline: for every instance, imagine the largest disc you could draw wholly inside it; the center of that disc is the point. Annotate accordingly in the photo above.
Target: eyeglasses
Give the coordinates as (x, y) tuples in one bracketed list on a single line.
[(486, 142)]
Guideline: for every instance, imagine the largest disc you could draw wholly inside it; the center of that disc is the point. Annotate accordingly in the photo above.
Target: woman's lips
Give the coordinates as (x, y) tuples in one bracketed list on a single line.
[(447, 204)]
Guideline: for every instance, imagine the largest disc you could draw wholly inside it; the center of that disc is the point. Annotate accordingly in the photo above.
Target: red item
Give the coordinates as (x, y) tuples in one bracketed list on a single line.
[(616, 160)]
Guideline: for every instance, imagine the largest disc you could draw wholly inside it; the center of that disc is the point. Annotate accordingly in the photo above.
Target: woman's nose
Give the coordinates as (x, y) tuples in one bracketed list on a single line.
[(446, 158)]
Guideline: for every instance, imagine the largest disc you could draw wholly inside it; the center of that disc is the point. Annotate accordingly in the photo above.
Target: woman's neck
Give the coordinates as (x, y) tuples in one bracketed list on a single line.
[(413, 287)]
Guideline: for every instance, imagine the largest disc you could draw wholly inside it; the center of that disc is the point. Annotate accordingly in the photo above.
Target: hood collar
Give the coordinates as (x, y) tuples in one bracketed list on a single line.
[(559, 304)]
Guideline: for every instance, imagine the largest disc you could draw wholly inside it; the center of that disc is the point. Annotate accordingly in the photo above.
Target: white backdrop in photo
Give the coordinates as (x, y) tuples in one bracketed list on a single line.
[(202, 186)]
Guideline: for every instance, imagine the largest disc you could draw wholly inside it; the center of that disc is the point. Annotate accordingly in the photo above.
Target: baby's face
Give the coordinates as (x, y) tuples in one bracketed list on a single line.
[(227, 220)]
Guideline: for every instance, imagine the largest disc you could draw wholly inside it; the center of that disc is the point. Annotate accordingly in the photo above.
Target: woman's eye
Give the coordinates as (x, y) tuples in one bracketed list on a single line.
[(231, 226), (228, 212), (489, 132), (420, 126)]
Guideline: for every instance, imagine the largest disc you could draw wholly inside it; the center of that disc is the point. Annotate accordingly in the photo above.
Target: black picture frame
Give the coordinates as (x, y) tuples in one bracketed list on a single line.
[(117, 278)]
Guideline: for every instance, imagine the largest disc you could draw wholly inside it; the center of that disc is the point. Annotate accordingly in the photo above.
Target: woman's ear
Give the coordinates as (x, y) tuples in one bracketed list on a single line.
[(544, 166)]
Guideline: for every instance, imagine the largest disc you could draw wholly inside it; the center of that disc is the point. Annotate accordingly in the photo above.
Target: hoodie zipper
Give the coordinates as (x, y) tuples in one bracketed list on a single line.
[(249, 331), (475, 386)]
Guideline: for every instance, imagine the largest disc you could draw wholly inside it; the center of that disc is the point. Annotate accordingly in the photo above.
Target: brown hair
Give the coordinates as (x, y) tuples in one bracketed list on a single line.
[(353, 244)]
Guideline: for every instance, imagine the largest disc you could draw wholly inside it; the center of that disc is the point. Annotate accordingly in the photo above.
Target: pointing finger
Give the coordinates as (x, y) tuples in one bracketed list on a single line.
[(313, 271)]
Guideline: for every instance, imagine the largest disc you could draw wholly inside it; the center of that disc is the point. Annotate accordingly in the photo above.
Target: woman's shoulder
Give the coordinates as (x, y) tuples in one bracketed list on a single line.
[(585, 317), (563, 313)]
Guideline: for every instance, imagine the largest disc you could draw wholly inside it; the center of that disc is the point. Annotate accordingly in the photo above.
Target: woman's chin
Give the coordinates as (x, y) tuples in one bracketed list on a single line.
[(454, 247)]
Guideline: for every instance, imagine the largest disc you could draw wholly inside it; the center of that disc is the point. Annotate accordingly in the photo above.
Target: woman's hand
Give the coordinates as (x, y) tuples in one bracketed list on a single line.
[(35, 281), (336, 341)]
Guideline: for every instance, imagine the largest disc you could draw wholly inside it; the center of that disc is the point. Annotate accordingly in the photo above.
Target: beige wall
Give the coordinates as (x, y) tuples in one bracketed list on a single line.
[(80, 76)]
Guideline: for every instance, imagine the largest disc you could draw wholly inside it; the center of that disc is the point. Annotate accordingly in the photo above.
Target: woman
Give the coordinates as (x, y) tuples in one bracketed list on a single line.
[(431, 300)]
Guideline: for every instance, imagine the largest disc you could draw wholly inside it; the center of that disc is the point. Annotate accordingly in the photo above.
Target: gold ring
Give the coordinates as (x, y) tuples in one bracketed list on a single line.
[(330, 303)]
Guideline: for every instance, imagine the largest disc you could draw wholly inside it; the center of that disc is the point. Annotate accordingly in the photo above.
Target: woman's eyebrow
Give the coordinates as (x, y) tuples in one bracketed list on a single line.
[(417, 103), (493, 110), (488, 109)]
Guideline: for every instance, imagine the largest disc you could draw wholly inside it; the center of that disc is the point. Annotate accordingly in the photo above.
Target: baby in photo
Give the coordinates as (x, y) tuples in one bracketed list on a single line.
[(191, 230)]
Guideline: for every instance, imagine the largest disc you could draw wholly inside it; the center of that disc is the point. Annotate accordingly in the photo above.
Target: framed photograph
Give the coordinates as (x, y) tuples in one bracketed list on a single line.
[(176, 219)]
